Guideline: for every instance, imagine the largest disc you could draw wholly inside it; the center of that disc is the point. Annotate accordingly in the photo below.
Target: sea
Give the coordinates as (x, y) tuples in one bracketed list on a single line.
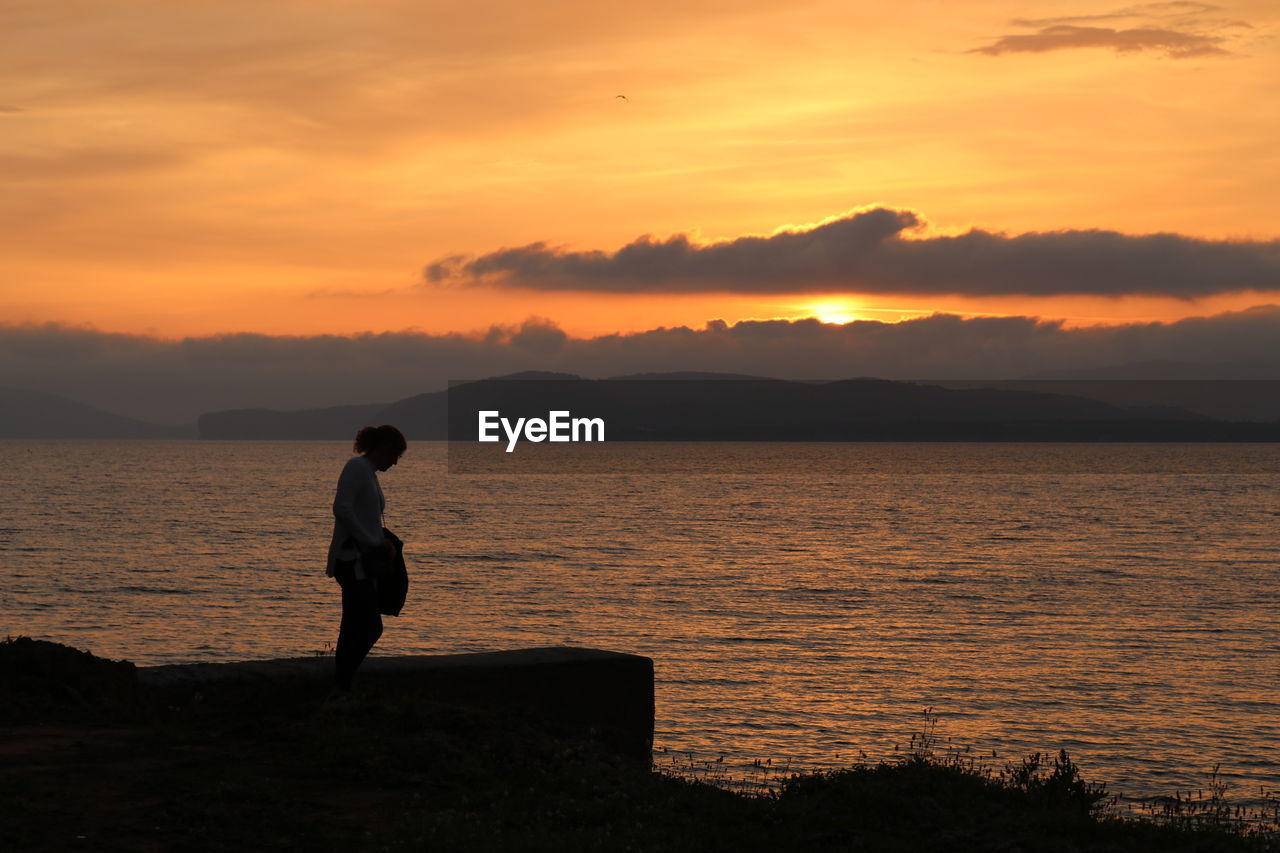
[(807, 606)]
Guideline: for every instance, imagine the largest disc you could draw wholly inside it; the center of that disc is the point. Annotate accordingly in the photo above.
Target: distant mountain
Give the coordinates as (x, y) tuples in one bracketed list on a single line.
[(689, 376), (775, 409), (530, 375), (266, 424), (28, 414), (1255, 400), (657, 407), (1168, 371)]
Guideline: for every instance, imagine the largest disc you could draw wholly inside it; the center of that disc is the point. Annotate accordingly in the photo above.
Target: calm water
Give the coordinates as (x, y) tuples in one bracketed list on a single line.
[(1122, 602)]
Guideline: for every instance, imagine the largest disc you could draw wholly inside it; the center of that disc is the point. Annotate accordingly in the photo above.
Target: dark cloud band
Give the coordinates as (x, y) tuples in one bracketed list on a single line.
[(177, 380), (880, 251)]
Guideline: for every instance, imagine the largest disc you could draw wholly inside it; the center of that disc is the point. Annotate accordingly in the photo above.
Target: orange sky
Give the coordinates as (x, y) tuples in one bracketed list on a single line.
[(290, 167)]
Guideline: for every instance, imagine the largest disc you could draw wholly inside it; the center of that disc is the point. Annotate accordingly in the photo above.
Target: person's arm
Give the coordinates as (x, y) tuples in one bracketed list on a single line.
[(356, 479)]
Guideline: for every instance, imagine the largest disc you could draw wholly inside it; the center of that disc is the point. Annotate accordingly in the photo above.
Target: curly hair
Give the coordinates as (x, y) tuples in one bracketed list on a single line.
[(374, 438)]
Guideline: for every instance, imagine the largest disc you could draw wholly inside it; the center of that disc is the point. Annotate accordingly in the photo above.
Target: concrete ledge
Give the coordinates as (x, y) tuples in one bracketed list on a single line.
[(604, 695)]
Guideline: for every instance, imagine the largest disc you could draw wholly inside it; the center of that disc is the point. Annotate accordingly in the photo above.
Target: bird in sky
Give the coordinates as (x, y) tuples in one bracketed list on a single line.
[(624, 97)]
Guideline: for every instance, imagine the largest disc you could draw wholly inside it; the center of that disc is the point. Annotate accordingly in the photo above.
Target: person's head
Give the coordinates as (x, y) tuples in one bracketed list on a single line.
[(383, 445)]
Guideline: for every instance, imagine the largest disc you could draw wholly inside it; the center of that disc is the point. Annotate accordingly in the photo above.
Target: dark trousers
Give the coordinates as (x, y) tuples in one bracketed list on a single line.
[(361, 624)]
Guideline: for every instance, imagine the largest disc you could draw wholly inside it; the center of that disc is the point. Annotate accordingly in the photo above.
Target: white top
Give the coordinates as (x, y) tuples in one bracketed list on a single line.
[(357, 512)]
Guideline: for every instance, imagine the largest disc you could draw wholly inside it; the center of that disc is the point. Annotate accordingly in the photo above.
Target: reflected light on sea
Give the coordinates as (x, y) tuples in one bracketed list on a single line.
[(1118, 601)]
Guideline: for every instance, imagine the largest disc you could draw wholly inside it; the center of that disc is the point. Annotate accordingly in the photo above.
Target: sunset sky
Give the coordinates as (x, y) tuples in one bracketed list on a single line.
[(196, 168)]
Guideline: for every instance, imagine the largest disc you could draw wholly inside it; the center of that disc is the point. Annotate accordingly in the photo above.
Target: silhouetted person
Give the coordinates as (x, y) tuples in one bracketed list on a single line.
[(359, 545)]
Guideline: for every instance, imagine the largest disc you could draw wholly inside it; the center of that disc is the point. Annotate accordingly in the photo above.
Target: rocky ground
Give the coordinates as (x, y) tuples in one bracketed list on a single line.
[(89, 762)]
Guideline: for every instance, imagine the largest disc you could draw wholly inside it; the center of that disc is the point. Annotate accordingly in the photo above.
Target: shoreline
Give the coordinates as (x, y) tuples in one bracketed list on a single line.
[(271, 767), (716, 758)]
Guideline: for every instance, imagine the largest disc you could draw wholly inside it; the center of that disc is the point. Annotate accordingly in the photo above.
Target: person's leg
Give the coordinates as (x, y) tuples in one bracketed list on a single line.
[(360, 629), (375, 621)]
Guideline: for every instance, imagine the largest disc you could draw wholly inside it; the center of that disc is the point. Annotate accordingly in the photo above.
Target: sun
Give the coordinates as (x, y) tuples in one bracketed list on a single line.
[(833, 311)]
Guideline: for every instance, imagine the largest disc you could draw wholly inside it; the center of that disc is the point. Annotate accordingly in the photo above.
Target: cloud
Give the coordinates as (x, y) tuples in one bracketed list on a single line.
[(539, 335), (175, 381), (349, 78), (880, 250), (1179, 29), (1175, 45), (1177, 9)]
